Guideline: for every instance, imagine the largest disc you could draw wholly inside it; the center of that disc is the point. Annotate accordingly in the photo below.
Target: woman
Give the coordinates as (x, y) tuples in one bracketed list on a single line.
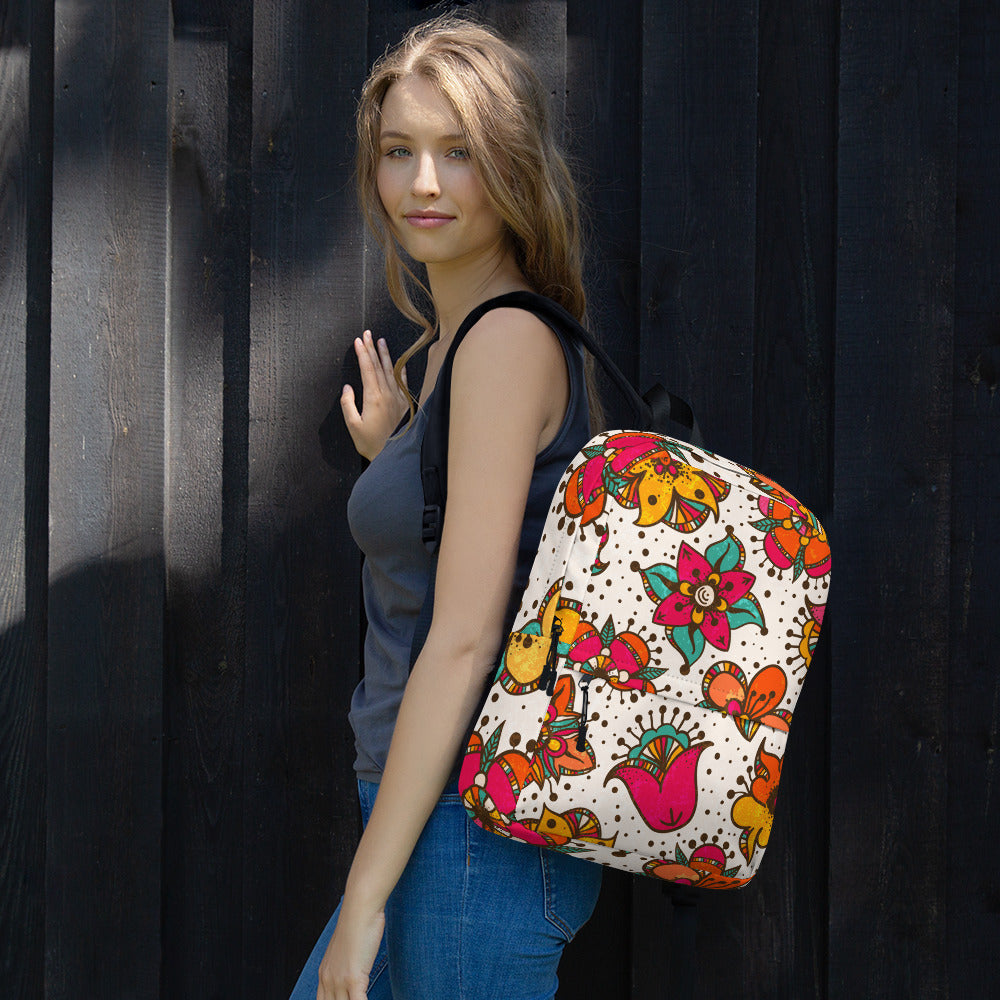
[(456, 168)]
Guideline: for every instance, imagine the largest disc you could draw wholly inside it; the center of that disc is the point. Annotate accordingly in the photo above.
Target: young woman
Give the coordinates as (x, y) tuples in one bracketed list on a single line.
[(457, 170)]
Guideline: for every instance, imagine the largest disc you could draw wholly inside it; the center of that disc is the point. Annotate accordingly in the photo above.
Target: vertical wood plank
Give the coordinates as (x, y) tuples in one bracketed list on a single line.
[(25, 205), (699, 122), (895, 315), (106, 501), (603, 78), (604, 139), (793, 440), (699, 119), (303, 568), (973, 825), (208, 346)]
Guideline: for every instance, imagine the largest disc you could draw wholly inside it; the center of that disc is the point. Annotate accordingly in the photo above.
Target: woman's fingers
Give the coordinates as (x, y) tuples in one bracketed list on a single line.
[(371, 417), (376, 365), (369, 363), (386, 361), (349, 406)]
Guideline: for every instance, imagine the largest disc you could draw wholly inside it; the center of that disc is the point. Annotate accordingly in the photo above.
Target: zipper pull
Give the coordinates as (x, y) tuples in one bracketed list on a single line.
[(549, 673), (581, 736)]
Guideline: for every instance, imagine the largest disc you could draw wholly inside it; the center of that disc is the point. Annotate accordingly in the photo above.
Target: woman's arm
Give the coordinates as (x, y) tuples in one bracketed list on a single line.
[(509, 392)]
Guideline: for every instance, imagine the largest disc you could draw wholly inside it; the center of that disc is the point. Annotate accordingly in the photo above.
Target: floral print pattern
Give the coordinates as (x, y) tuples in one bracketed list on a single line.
[(705, 868), (645, 472), (605, 733), (754, 812), (553, 829), (751, 703), (660, 773), (807, 634), (491, 783), (794, 539), (621, 659), (704, 597), (528, 648), (559, 749)]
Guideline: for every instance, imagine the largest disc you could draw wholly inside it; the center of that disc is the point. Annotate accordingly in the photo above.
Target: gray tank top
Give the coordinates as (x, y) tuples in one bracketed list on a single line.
[(385, 513)]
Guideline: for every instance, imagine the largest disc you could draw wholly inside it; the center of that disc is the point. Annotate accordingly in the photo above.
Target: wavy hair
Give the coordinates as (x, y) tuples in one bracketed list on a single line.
[(502, 110)]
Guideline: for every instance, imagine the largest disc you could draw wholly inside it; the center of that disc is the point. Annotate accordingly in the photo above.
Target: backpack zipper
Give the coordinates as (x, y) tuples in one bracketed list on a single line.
[(581, 737), (548, 678)]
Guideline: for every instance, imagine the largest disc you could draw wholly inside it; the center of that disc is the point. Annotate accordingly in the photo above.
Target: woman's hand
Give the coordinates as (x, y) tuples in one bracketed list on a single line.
[(344, 971), (383, 403)]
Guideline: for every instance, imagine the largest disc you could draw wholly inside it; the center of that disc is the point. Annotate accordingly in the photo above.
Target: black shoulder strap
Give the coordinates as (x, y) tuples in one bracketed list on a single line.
[(656, 411)]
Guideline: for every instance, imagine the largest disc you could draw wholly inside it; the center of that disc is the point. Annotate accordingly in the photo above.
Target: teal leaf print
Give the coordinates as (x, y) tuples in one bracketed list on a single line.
[(660, 581), (725, 554)]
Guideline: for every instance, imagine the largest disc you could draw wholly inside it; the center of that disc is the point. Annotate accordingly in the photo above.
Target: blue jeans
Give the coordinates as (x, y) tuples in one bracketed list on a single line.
[(475, 916)]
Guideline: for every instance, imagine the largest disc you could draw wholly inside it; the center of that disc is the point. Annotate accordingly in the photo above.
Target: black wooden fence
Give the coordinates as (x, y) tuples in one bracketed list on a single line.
[(793, 222)]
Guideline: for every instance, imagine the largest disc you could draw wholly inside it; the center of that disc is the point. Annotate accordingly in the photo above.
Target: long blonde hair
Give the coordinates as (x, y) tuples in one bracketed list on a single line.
[(503, 113)]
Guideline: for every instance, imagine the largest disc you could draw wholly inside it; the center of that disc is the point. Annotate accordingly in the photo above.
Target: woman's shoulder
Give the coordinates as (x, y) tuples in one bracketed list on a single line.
[(509, 337)]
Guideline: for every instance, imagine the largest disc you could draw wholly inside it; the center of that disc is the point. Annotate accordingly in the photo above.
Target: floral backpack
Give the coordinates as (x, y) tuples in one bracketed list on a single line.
[(640, 708)]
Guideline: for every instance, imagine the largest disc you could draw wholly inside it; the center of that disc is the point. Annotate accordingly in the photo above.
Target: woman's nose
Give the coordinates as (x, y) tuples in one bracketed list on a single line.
[(425, 181)]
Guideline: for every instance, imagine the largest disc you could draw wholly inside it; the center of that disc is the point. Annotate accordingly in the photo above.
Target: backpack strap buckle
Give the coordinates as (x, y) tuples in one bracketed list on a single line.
[(430, 531)]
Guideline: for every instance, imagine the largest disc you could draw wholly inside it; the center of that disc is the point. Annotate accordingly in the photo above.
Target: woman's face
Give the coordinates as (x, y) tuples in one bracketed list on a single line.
[(436, 205)]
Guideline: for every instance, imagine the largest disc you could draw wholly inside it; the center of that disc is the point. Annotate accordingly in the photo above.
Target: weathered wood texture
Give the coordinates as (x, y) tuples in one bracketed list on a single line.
[(25, 208), (792, 221), (972, 907), (106, 498), (205, 517), (893, 487), (302, 568), (603, 40), (792, 437)]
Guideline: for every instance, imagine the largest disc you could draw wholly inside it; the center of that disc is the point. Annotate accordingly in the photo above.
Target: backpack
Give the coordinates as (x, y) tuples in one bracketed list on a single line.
[(639, 711)]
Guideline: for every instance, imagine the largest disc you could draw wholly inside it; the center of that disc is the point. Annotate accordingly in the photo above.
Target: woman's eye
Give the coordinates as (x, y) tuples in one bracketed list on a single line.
[(458, 154), (397, 152)]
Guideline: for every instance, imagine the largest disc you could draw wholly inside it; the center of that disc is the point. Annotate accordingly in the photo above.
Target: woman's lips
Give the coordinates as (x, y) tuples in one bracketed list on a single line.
[(428, 221)]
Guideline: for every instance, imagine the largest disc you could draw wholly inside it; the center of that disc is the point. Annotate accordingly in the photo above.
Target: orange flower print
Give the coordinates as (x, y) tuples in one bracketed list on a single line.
[(644, 471), (561, 747), (755, 812), (804, 641), (794, 539), (538, 643), (591, 482), (706, 868), (726, 689), (553, 829)]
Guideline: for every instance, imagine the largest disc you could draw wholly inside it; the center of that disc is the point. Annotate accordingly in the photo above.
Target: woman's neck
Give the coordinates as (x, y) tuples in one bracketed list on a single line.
[(459, 286)]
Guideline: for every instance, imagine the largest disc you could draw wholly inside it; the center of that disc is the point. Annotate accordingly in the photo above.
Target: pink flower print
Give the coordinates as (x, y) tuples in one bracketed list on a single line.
[(622, 659), (660, 775), (704, 597), (489, 784), (601, 473), (794, 538)]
